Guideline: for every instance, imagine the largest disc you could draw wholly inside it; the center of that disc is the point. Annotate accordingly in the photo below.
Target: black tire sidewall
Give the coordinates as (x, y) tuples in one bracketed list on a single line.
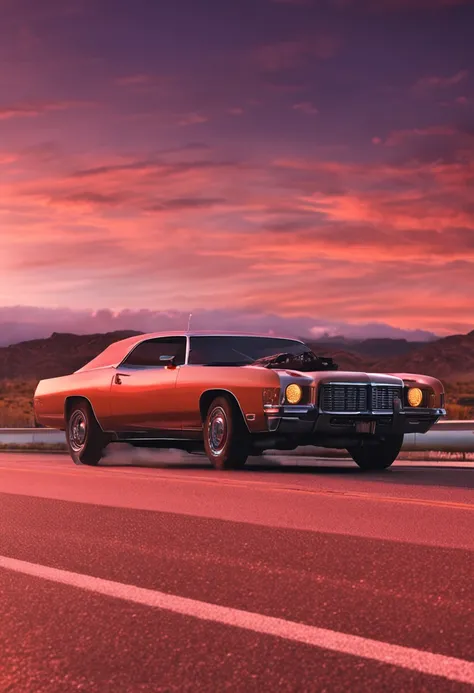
[(379, 456), (91, 453), (235, 451)]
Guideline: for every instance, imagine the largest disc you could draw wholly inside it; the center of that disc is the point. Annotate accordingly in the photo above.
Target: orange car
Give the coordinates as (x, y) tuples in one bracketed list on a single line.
[(234, 395)]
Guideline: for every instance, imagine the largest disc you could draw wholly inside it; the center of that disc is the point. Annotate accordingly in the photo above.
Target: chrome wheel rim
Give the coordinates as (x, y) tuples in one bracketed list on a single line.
[(217, 430), (78, 430)]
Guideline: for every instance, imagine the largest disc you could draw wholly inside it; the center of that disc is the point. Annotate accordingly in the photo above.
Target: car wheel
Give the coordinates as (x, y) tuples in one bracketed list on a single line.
[(226, 437), (377, 456), (84, 436)]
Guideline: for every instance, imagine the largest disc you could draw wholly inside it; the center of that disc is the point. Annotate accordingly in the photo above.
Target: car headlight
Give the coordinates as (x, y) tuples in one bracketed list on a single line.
[(415, 397), (293, 393)]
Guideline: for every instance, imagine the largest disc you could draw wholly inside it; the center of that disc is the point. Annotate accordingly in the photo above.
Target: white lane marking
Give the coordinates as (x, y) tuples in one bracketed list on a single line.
[(408, 658)]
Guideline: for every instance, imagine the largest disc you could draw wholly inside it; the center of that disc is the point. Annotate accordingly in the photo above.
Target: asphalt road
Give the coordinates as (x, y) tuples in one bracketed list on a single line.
[(165, 575)]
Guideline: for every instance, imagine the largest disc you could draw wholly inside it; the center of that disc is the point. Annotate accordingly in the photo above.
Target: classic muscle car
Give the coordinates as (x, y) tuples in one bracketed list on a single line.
[(234, 396)]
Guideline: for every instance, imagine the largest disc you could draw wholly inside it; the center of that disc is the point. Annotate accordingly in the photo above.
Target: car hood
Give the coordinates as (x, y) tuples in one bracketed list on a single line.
[(354, 377)]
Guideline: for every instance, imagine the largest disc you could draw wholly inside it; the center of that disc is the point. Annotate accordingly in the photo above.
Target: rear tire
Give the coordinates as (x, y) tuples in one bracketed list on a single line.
[(377, 456), (85, 439), (226, 437)]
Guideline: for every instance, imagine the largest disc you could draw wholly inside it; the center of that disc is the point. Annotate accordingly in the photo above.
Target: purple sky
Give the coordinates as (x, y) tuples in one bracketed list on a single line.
[(296, 165)]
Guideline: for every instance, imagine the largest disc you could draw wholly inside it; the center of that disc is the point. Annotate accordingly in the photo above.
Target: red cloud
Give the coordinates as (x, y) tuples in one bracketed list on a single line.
[(179, 229)]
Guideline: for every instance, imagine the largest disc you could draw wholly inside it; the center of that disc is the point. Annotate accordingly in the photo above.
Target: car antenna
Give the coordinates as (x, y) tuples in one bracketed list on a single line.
[(189, 321)]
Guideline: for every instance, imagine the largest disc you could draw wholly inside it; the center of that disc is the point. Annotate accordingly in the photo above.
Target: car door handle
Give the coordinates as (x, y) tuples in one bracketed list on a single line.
[(118, 378)]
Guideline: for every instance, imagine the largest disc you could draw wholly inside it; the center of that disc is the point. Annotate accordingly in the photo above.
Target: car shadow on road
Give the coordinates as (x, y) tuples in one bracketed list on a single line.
[(457, 477), (409, 474)]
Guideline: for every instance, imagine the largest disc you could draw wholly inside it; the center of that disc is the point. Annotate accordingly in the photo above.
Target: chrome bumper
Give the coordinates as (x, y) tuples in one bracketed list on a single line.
[(309, 419)]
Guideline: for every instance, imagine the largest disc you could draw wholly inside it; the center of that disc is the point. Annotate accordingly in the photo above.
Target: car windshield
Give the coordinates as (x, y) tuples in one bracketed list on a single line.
[(239, 351)]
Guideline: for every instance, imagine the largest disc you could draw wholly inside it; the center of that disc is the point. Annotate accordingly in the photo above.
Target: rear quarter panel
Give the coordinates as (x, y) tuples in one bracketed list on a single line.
[(51, 395), (245, 383)]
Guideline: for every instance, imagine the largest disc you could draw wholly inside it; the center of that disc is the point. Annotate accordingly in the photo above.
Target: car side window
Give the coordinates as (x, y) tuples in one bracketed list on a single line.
[(148, 353)]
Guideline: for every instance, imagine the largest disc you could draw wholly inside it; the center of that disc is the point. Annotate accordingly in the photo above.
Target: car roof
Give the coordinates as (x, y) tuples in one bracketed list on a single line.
[(114, 354)]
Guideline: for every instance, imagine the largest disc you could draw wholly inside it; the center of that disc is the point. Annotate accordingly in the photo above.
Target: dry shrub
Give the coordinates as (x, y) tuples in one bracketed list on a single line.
[(16, 403), (457, 411)]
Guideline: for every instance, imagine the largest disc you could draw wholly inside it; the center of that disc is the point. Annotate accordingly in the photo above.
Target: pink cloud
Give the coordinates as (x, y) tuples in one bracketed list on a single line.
[(398, 137), (133, 80), (301, 3), (21, 323), (291, 54), (306, 107), (193, 119), (406, 5), (441, 81), (123, 228), (35, 109), (6, 159)]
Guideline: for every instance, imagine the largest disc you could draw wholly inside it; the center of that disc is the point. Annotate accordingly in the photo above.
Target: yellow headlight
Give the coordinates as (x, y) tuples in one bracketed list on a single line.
[(293, 393), (415, 397)]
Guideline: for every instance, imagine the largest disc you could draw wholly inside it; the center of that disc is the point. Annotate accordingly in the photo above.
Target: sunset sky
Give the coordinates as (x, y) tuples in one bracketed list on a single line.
[(297, 165)]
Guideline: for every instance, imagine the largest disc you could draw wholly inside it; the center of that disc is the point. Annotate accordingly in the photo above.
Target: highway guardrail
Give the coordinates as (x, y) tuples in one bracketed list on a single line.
[(445, 436)]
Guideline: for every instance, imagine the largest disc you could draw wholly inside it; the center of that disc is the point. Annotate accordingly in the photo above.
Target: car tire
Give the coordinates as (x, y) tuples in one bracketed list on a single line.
[(377, 456), (226, 437), (85, 439)]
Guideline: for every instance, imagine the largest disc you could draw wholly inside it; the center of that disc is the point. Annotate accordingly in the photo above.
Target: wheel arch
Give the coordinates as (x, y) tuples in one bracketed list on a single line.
[(71, 399), (208, 396)]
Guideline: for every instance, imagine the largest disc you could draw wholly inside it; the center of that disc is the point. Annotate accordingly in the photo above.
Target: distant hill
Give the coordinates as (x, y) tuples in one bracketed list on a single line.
[(368, 349), (447, 358), (57, 355), (346, 360), (451, 359)]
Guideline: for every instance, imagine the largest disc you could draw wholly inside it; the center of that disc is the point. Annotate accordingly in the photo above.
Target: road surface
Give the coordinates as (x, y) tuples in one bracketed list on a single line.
[(165, 575)]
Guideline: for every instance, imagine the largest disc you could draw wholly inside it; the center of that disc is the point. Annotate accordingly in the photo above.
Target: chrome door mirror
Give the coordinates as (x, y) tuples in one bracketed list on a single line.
[(168, 361)]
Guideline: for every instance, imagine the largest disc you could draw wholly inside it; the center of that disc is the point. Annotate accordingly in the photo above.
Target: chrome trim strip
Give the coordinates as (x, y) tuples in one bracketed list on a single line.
[(188, 350), (371, 384), (89, 370), (223, 389), (287, 409), (149, 339), (91, 406), (125, 437), (367, 412)]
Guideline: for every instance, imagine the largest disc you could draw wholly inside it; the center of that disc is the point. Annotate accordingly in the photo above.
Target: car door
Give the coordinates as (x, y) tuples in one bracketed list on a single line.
[(143, 389)]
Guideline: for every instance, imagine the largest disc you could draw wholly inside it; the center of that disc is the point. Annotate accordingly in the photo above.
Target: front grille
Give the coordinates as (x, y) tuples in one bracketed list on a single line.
[(344, 398), (337, 397), (383, 396)]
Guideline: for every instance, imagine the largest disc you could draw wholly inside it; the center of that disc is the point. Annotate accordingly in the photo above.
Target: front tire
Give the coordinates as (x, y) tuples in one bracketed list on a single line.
[(226, 437), (377, 456), (85, 439)]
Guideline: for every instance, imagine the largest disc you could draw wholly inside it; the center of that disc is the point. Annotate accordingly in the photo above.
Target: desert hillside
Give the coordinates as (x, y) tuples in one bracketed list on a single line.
[(451, 359), (57, 355)]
